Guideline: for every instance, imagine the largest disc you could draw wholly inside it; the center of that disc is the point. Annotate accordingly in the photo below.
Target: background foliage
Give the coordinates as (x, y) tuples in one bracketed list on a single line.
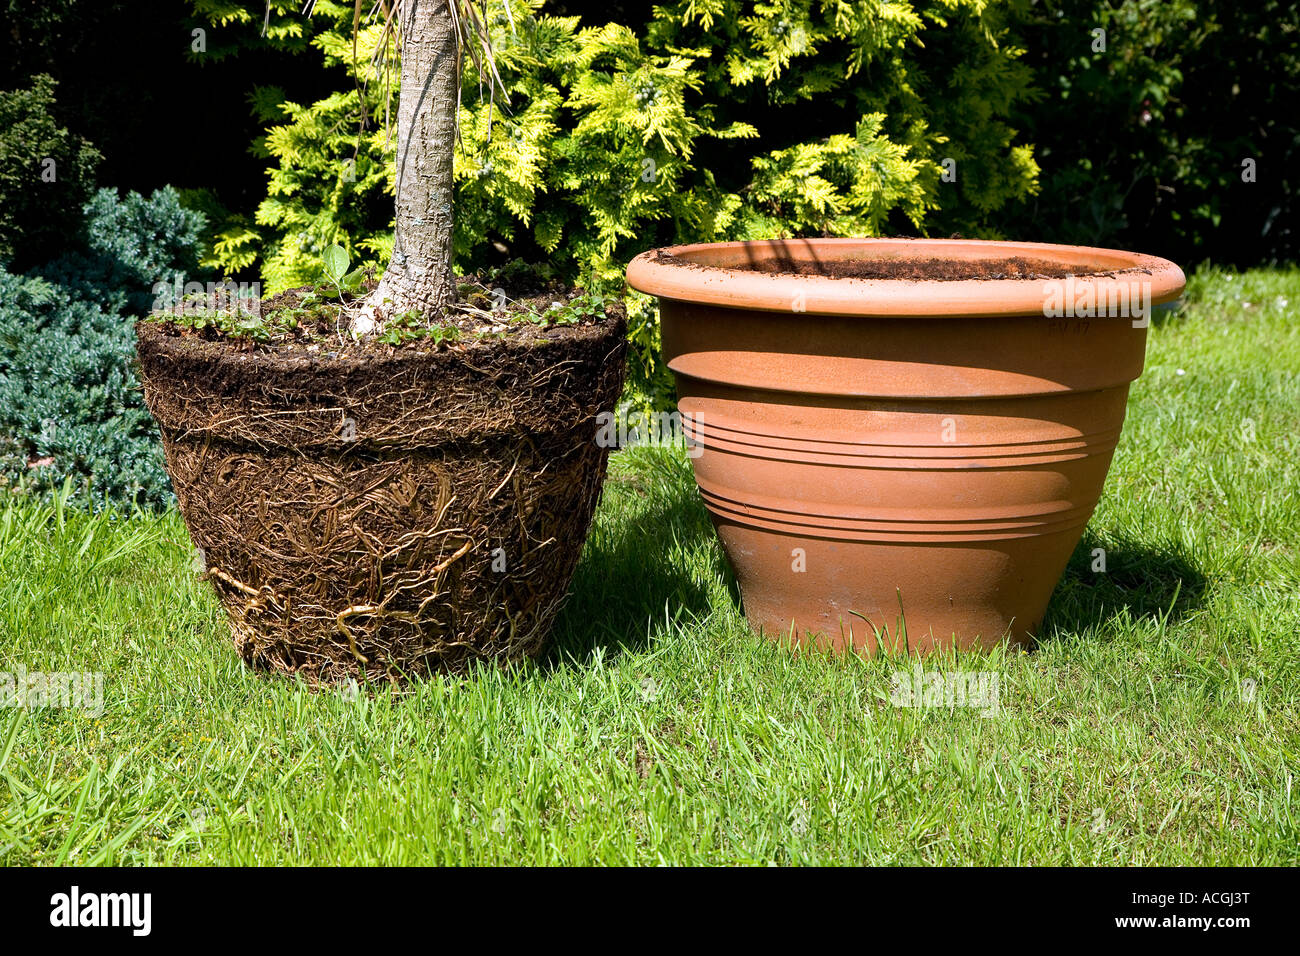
[(70, 405), (46, 175), (1142, 144), (717, 119)]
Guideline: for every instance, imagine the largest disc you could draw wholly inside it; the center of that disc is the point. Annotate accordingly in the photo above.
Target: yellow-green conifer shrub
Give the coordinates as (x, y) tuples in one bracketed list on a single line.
[(714, 120)]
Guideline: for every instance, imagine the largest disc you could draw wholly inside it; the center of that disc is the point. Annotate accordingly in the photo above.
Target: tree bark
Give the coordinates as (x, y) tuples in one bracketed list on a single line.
[(419, 275)]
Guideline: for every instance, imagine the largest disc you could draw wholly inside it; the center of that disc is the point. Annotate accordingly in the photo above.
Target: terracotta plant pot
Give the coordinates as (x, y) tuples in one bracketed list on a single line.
[(902, 440)]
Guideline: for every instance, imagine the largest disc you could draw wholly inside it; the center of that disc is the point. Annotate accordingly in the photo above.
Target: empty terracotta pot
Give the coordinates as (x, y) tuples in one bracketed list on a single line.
[(902, 440)]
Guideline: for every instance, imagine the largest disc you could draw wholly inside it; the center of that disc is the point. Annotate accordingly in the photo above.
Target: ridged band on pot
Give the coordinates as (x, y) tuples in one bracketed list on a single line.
[(906, 460), (389, 515)]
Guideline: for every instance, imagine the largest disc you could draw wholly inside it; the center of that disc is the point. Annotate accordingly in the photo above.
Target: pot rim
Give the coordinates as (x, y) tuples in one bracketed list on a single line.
[(707, 277)]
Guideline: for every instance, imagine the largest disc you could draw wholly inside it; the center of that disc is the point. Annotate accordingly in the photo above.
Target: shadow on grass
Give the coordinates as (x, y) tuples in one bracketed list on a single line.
[(632, 582), (1171, 313), (1150, 582)]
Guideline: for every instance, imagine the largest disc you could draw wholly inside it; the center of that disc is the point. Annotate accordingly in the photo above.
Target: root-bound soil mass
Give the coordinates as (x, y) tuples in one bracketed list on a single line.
[(369, 511)]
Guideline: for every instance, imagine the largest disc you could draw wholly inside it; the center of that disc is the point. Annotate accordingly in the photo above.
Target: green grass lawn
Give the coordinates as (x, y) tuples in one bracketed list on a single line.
[(659, 731)]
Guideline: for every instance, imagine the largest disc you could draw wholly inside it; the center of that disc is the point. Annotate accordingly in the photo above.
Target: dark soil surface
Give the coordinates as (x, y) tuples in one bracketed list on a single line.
[(1016, 267), (515, 305), (913, 269), (226, 366)]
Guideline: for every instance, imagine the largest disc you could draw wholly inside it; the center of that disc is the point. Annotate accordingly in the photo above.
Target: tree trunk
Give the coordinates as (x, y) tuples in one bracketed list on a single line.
[(419, 275)]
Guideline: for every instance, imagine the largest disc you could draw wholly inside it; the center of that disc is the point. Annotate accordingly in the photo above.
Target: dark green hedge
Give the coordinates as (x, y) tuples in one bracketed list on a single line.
[(46, 175), (1141, 145)]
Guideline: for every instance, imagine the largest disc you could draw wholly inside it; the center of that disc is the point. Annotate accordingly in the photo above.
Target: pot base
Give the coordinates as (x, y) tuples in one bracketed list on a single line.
[(852, 522), (919, 598)]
